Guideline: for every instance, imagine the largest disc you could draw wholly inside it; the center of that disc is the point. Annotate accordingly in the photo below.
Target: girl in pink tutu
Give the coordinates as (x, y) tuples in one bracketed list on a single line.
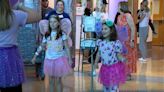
[(112, 71), (57, 61)]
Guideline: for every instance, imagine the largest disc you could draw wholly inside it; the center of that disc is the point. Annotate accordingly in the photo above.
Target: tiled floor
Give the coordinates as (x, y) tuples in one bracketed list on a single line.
[(149, 77)]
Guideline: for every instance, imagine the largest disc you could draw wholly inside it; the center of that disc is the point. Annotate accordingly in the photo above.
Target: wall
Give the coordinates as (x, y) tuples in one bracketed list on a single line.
[(155, 6), (113, 7), (51, 3)]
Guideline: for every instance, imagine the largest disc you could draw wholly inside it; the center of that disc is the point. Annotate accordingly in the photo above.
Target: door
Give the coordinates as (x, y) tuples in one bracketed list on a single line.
[(158, 22)]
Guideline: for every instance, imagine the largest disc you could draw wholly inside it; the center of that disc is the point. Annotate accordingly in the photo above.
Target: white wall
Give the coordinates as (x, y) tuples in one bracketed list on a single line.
[(155, 6)]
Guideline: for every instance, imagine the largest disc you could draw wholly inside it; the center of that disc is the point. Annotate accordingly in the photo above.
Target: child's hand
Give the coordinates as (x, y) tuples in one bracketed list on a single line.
[(33, 60)]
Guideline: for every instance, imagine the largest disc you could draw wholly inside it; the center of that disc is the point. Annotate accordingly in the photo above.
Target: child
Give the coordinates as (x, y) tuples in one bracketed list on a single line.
[(56, 63), (43, 27), (112, 71)]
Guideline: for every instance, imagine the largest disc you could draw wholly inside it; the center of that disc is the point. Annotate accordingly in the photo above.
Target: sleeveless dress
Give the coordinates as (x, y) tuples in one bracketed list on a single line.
[(129, 53)]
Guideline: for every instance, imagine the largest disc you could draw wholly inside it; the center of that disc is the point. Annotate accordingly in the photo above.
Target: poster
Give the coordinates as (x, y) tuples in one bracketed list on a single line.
[(89, 23), (79, 11)]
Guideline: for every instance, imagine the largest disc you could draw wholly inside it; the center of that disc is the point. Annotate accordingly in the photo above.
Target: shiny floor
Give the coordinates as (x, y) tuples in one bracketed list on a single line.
[(149, 77)]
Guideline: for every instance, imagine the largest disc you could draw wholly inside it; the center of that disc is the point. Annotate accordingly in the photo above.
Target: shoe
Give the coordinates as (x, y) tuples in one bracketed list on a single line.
[(41, 78), (154, 32), (129, 77), (37, 75), (94, 73), (142, 60)]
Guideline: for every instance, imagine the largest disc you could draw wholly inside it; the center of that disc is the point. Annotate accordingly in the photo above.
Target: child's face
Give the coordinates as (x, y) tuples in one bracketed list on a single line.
[(105, 31), (53, 23)]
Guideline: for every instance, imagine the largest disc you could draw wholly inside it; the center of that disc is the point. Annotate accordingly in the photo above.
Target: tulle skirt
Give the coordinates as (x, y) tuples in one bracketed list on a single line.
[(111, 75), (57, 67), (11, 67)]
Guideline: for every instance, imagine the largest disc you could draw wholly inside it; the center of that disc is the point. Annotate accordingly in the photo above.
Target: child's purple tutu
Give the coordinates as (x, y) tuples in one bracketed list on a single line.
[(57, 67), (11, 67), (110, 75)]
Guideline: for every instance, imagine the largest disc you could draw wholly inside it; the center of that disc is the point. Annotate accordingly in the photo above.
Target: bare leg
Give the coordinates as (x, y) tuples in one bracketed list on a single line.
[(46, 83), (59, 84), (52, 83)]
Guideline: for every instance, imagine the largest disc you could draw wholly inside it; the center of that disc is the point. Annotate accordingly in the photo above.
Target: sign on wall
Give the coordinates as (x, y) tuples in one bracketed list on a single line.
[(79, 11), (89, 23)]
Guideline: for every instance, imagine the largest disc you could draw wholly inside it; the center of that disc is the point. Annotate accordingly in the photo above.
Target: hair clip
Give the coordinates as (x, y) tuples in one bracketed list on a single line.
[(109, 23)]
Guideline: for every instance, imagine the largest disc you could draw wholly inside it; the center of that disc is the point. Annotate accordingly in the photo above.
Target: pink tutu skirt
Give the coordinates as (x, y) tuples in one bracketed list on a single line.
[(111, 75), (57, 67)]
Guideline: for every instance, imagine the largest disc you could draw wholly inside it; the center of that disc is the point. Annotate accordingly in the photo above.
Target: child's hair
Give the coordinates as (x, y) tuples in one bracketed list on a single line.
[(87, 11), (59, 31), (113, 32)]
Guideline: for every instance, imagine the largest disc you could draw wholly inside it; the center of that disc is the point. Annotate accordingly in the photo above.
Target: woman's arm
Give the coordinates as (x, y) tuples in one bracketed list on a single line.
[(131, 25), (33, 16), (132, 29)]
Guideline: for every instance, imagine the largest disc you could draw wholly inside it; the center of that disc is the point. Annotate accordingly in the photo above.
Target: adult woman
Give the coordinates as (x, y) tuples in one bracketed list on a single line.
[(127, 35), (11, 64), (59, 11), (143, 30)]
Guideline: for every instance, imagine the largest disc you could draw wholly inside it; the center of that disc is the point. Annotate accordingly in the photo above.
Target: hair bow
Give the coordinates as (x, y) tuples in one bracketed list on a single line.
[(109, 23)]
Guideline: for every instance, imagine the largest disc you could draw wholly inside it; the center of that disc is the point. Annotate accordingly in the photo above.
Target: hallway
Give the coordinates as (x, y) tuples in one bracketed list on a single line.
[(149, 77)]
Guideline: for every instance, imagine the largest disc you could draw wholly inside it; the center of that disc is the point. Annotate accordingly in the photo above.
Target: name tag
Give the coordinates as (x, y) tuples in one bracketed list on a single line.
[(61, 16)]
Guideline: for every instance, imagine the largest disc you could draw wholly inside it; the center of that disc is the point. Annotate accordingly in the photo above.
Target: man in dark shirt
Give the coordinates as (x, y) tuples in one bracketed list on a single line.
[(40, 60), (45, 8)]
